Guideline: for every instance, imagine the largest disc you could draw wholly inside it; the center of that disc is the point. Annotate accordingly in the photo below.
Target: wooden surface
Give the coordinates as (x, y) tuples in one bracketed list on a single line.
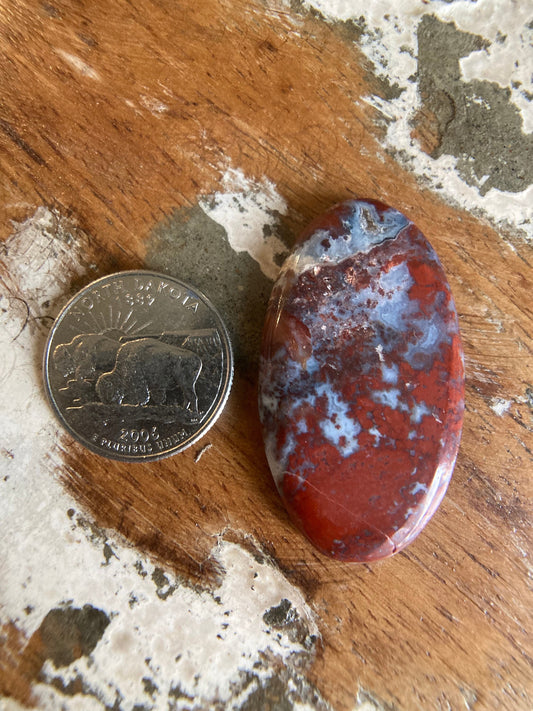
[(114, 115)]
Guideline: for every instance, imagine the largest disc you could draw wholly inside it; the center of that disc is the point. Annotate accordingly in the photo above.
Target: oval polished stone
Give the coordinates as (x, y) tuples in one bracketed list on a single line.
[(361, 383)]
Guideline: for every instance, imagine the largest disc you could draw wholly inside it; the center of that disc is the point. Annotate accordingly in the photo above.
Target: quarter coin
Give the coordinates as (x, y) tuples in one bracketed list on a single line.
[(138, 366)]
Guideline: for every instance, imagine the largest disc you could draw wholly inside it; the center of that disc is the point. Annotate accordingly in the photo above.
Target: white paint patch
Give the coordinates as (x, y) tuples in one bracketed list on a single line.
[(367, 705), (509, 58), (43, 255), (203, 644), (249, 211), (389, 40), (79, 65), (366, 702), (500, 406), (154, 106), (189, 641), (26, 425)]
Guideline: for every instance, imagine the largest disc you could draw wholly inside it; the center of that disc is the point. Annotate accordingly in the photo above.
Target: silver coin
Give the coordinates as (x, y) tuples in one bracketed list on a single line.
[(138, 366)]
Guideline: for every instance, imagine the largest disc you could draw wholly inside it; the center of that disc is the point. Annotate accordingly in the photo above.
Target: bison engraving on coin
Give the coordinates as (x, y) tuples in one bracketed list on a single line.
[(147, 371), (154, 375), (85, 355)]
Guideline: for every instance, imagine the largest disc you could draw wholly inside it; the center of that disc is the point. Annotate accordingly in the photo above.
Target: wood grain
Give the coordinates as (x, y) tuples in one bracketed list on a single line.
[(157, 101)]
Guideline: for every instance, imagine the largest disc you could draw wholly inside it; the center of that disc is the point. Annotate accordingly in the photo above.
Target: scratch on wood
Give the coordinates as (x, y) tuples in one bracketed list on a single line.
[(201, 452), (14, 135)]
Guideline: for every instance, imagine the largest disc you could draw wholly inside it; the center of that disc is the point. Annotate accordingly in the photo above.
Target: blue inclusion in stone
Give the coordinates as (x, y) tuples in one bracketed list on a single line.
[(418, 411), (390, 398), (435, 334), (394, 312), (337, 425), (389, 374), (301, 426), (365, 229), (339, 428), (312, 366)]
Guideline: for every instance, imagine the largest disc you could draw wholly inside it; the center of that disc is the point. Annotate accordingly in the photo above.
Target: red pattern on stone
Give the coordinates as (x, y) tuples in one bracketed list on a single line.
[(361, 382)]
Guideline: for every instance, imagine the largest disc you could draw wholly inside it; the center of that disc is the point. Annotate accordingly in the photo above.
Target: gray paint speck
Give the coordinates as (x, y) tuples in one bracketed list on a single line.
[(279, 615), (69, 633), (477, 123)]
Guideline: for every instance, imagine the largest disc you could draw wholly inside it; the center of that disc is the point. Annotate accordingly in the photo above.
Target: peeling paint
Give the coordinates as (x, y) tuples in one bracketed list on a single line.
[(68, 633), (201, 643), (495, 73), (81, 598), (195, 244), (500, 406), (41, 259), (249, 211), (477, 123), (39, 245)]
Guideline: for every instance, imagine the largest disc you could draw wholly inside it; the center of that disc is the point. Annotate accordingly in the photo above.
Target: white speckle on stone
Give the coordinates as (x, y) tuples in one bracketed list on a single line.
[(249, 212), (203, 643), (376, 434), (500, 406), (418, 487), (79, 65), (389, 40), (411, 512)]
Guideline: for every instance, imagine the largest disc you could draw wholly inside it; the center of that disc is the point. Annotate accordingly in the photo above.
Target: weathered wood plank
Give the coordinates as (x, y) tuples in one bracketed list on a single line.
[(115, 115)]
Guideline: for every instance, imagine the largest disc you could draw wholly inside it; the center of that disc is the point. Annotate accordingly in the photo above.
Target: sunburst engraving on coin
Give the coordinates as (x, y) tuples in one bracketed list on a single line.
[(138, 366)]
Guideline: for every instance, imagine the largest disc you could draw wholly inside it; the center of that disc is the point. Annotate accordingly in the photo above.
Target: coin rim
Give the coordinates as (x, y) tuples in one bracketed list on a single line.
[(226, 387)]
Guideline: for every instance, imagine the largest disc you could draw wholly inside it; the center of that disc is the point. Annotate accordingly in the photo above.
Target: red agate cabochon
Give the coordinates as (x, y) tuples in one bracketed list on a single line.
[(361, 383)]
